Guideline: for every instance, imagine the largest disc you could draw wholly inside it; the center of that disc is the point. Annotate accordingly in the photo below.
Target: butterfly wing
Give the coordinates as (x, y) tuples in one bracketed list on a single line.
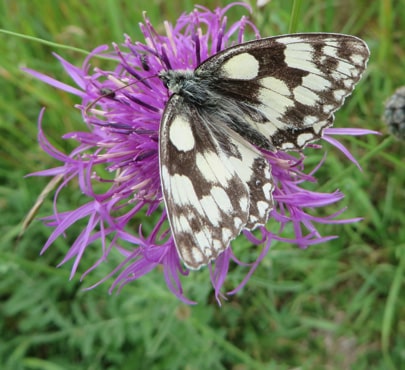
[(287, 87), (273, 93), (214, 182)]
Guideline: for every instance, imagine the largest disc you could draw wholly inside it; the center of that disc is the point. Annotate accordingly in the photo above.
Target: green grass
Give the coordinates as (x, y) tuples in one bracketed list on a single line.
[(334, 306)]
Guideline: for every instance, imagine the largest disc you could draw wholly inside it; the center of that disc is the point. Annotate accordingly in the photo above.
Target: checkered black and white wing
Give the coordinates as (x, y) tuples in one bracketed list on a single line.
[(214, 182), (287, 87), (277, 93)]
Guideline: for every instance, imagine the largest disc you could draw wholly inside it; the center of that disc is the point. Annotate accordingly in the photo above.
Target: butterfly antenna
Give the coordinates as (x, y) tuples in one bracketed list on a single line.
[(110, 93)]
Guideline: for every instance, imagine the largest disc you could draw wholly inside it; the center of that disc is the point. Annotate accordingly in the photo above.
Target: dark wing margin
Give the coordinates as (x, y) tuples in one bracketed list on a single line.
[(214, 183)]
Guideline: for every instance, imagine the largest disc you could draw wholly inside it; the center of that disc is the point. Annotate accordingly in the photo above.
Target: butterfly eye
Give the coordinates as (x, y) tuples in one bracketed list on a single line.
[(164, 78)]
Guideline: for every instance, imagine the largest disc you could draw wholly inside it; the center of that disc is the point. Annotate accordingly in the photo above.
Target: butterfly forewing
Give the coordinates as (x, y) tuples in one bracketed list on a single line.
[(276, 93), (294, 82)]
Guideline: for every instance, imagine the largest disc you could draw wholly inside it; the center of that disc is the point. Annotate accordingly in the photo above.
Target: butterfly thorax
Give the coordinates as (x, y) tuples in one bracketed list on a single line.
[(193, 88), (203, 92)]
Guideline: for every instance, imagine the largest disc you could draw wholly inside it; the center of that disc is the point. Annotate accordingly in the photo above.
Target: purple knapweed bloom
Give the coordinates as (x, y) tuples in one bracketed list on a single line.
[(122, 109)]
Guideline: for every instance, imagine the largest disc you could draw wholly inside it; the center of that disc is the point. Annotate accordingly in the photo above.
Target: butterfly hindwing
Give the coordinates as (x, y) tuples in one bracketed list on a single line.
[(214, 183)]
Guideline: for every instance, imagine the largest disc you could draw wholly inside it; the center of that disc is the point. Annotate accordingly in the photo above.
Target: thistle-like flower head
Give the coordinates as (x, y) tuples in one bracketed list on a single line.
[(115, 162)]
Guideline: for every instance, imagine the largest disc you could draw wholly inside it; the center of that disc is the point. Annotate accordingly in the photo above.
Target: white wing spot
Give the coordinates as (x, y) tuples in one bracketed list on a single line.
[(305, 96), (218, 245), (222, 199), (211, 210), (317, 127), (197, 256), (275, 84), (226, 234), (208, 252), (330, 50), (237, 222), (357, 58), (182, 224), (304, 139), (243, 166), (310, 120), (183, 193), (267, 190), (212, 167), (315, 82), (328, 108), (288, 145), (253, 219), (262, 207), (242, 66), (348, 82), (346, 68), (335, 75), (181, 134), (339, 94), (244, 203), (300, 56), (202, 238), (274, 104), (164, 174)]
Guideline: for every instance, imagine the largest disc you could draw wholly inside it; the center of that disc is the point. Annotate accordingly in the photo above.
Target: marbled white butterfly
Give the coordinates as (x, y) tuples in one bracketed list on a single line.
[(276, 93)]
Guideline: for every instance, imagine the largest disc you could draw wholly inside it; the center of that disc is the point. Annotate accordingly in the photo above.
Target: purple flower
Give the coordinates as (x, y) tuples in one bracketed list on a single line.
[(115, 162)]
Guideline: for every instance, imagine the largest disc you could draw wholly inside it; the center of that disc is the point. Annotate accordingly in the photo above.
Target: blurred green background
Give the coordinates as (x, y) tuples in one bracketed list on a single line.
[(339, 305)]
